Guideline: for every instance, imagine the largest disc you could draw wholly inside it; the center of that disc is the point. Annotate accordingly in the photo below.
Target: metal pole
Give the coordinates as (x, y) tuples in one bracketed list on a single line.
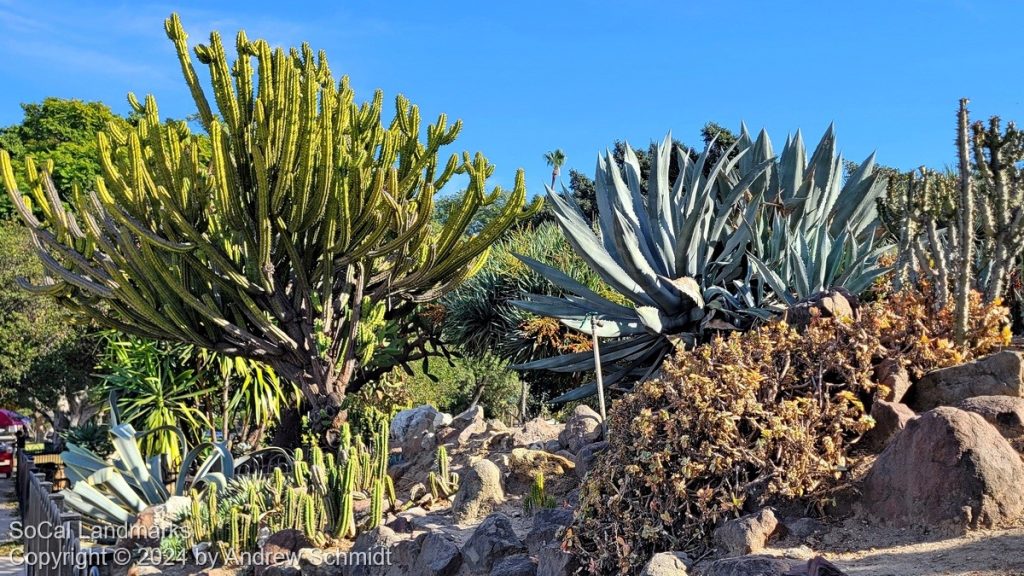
[(597, 370)]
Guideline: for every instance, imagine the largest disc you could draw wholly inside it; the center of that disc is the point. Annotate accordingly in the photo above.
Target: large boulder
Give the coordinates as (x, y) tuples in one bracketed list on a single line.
[(1006, 413), (466, 425), (413, 430), (948, 468), (548, 524), (667, 564), (373, 545), (492, 540), (281, 547), (890, 419), (536, 433), (999, 374), (747, 534), (582, 428), (480, 490)]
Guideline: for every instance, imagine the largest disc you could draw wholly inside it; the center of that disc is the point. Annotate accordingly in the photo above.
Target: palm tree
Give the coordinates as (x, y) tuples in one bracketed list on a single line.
[(555, 159)]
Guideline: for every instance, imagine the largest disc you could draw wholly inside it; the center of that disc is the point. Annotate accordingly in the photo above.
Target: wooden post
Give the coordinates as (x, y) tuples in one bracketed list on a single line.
[(597, 371)]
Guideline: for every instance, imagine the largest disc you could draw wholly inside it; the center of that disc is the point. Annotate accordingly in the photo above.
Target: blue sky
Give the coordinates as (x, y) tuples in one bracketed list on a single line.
[(527, 77)]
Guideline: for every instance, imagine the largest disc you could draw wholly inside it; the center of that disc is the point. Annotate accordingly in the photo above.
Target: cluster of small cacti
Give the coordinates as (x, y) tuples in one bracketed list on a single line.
[(538, 497), (317, 497), (964, 232), (443, 483)]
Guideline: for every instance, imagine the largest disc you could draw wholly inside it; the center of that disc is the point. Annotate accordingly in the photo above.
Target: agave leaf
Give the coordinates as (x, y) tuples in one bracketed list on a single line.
[(567, 283), (773, 280)]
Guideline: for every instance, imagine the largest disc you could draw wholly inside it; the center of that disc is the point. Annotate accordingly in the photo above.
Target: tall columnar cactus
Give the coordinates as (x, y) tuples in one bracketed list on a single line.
[(345, 523), (308, 206), (966, 231)]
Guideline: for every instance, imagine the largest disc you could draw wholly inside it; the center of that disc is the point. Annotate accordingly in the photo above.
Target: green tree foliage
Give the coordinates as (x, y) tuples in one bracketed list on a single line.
[(311, 207), (61, 131), (454, 386), (45, 358)]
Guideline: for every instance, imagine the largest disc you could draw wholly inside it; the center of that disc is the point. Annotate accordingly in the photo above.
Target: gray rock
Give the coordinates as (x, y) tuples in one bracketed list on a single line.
[(747, 566), (480, 490), (492, 540), (948, 468), (582, 428), (536, 433), (553, 561), (413, 430), (548, 524), (1006, 413), (801, 528), (667, 564), (746, 534), (281, 548), (586, 457), (515, 565), (371, 543), (466, 425), (999, 374), (895, 377), (430, 554)]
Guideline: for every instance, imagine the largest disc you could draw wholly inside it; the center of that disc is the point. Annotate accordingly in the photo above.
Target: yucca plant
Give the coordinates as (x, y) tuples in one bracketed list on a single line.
[(710, 251)]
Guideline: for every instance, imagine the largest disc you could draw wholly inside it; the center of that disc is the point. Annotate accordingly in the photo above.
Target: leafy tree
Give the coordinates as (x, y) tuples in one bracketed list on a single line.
[(46, 359), (312, 213), (61, 131)]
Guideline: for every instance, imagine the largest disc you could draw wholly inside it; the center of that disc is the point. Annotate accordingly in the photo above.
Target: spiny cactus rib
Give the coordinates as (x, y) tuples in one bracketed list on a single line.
[(230, 245)]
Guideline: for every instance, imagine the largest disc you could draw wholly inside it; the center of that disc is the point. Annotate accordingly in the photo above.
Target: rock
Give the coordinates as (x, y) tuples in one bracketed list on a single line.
[(479, 491), (536, 433), (548, 524), (430, 554), (466, 425), (801, 528), (667, 564), (155, 522), (553, 561), (582, 428), (492, 540), (947, 468), (586, 457), (836, 303), (515, 565), (817, 566), (747, 566), (999, 374), (409, 428), (531, 462), (747, 534), (1006, 413), (890, 418), (281, 547), (895, 378), (373, 544)]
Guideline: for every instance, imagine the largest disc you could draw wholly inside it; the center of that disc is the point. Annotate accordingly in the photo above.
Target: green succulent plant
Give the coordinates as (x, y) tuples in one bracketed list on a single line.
[(717, 249)]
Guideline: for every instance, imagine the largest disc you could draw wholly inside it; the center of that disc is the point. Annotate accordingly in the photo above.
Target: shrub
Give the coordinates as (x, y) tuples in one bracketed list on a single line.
[(759, 417)]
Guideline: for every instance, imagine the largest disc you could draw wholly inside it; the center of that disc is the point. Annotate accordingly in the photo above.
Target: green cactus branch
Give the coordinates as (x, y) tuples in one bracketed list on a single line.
[(265, 247)]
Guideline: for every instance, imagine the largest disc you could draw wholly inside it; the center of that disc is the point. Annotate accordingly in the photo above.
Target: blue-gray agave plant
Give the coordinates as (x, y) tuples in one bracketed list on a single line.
[(718, 248)]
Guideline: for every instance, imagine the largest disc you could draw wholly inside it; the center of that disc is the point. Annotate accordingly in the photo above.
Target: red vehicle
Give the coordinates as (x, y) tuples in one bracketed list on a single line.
[(6, 460)]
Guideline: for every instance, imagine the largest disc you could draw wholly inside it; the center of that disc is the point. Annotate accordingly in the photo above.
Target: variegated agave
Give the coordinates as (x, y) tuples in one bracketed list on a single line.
[(720, 247)]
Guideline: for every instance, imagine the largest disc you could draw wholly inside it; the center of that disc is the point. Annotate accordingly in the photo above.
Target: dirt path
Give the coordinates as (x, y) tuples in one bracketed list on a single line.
[(864, 550)]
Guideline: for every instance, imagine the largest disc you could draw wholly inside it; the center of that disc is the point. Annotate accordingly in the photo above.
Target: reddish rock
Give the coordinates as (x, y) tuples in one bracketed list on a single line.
[(1006, 413), (748, 534), (895, 378), (890, 418), (948, 468), (1000, 374)]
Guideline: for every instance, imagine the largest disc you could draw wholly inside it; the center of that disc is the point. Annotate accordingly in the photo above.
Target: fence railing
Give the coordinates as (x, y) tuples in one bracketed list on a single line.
[(51, 535)]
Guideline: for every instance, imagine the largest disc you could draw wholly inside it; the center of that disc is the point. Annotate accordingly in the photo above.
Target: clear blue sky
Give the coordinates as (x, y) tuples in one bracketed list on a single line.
[(527, 77)]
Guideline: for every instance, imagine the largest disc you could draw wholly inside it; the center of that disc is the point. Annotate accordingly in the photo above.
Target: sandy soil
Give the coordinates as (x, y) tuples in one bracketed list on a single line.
[(861, 549)]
